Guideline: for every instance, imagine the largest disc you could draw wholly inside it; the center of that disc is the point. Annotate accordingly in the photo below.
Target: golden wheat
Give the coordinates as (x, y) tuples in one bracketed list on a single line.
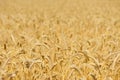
[(59, 40)]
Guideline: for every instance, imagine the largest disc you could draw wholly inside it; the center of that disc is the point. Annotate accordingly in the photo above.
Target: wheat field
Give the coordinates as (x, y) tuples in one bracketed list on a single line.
[(59, 39)]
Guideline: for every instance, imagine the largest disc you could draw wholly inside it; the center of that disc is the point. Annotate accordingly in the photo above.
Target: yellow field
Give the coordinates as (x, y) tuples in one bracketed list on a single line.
[(59, 39)]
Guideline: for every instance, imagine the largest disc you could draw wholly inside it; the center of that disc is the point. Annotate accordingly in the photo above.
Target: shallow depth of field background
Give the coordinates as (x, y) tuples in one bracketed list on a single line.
[(59, 39)]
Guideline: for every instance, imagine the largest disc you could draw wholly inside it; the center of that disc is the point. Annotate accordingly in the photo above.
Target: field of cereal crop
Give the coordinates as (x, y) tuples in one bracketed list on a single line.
[(59, 39)]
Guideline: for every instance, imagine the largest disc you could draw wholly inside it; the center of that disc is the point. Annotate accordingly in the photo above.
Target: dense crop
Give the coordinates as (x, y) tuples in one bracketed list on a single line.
[(59, 40)]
